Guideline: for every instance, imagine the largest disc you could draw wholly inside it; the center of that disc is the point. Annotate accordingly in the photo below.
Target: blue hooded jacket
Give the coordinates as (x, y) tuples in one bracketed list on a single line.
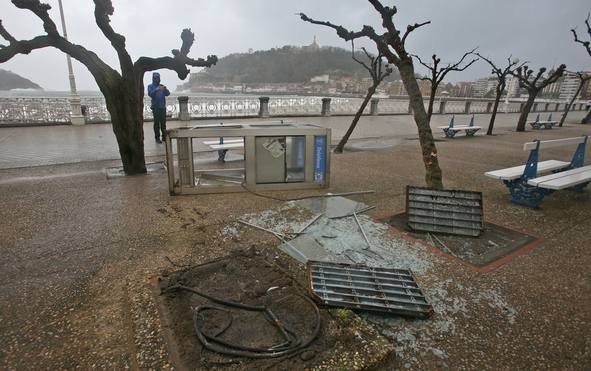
[(158, 97)]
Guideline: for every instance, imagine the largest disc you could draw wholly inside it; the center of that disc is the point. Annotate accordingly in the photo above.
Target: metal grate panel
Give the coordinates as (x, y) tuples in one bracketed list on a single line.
[(444, 211), (367, 288)]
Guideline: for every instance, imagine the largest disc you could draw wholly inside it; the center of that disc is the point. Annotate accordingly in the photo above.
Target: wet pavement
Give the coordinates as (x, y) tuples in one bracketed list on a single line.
[(49, 145), (79, 251)]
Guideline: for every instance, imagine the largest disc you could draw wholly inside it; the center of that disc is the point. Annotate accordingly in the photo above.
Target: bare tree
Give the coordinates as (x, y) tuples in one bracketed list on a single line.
[(501, 75), (123, 91), (583, 78), (378, 73), (438, 73), (533, 84), (391, 44), (587, 45)]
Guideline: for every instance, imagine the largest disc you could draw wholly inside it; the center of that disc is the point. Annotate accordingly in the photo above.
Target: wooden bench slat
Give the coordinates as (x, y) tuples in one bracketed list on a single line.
[(545, 178), (564, 179), (460, 127), (516, 171), (227, 146), (553, 143), (226, 141)]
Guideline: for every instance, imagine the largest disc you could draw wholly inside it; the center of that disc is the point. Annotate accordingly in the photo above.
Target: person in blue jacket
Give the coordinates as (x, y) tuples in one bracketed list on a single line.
[(158, 93)]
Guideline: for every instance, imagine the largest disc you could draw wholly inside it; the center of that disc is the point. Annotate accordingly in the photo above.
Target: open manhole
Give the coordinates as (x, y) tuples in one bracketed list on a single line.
[(250, 280), (496, 245)]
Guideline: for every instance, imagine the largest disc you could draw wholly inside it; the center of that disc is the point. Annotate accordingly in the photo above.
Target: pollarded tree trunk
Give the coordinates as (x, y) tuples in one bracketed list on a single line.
[(433, 176), (339, 148), (570, 104), (526, 109), (431, 102), (491, 124), (125, 104)]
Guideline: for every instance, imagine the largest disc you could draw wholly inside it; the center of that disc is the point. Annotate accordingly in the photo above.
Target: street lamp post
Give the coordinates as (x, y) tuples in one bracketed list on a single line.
[(76, 116)]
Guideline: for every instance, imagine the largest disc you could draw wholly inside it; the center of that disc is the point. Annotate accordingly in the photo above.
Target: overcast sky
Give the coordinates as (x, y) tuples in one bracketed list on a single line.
[(533, 30)]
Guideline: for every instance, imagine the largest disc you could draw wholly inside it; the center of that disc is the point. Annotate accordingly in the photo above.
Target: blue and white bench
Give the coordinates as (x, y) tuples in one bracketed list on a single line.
[(548, 124), (528, 184), (451, 130)]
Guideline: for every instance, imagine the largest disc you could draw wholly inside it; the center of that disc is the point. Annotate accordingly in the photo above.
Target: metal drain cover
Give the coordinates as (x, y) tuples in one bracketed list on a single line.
[(367, 288), (444, 211)]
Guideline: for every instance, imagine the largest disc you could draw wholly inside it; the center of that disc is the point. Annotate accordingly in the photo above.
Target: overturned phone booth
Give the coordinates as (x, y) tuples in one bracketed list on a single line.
[(275, 156)]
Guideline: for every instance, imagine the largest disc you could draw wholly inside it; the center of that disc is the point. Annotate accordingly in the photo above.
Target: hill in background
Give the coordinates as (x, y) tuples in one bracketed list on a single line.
[(10, 80), (289, 64)]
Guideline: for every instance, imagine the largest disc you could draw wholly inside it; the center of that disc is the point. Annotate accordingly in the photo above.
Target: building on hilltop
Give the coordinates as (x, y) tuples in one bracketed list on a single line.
[(312, 47)]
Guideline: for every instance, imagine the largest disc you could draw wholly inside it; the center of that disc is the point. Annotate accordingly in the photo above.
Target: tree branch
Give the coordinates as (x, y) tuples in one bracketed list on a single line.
[(586, 44), (430, 68), (456, 66), (342, 32), (583, 76), (95, 65), (524, 74), (5, 34), (387, 14), (103, 9), (555, 76), (366, 31), (41, 10), (24, 47), (410, 29), (369, 69), (179, 61)]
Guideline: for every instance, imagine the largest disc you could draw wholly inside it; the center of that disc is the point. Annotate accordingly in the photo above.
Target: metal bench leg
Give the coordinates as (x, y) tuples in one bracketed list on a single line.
[(449, 133), (222, 155), (470, 133), (522, 194), (579, 187)]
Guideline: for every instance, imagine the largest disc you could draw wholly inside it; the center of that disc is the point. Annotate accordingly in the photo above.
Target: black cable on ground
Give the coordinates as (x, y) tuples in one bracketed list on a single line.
[(293, 342)]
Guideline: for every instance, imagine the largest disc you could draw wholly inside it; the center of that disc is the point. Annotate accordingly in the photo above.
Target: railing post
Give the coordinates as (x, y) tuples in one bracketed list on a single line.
[(325, 107), (467, 107), (264, 110), (374, 106), (547, 107), (534, 108), (442, 107), (489, 106), (76, 116), (184, 114)]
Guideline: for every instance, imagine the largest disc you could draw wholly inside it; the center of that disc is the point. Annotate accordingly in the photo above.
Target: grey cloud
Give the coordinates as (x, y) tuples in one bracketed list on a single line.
[(534, 30)]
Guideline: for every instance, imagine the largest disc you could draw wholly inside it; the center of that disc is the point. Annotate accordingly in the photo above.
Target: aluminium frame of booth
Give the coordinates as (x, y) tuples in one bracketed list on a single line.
[(182, 167)]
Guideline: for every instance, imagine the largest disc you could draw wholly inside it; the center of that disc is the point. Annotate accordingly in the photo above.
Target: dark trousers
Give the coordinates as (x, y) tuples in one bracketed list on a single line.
[(159, 122)]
